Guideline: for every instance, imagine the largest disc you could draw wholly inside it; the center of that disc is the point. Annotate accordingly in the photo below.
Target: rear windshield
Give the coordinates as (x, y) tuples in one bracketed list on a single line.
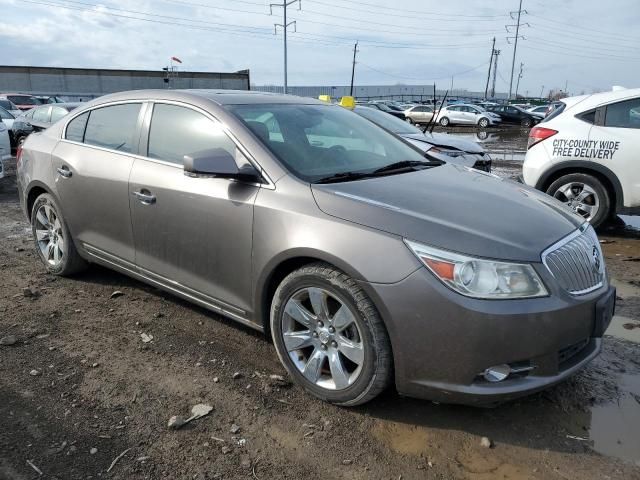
[(6, 104), (24, 100), (557, 111)]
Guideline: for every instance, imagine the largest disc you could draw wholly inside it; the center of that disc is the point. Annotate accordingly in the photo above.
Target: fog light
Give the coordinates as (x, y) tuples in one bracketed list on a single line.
[(497, 373)]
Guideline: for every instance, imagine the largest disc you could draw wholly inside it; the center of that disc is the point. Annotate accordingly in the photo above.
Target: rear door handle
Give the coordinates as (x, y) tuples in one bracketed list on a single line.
[(145, 197), (64, 171)]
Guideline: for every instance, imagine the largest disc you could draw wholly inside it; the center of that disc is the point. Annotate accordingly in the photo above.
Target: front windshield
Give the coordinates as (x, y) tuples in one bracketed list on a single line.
[(391, 123), (318, 141)]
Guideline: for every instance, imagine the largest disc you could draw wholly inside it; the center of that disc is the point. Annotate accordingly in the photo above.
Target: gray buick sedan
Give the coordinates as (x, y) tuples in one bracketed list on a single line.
[(367, 262)]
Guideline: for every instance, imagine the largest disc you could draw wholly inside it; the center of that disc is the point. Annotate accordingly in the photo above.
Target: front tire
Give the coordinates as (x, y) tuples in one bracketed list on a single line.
[(483, 123), (444, 122), (330, 337), (585, 195), (53, 242)]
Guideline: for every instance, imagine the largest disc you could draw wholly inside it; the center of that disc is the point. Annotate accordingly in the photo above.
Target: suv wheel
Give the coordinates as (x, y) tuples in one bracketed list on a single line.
[(444, 121), (53, 241), (585, 195), (483, 123), (329, 336)]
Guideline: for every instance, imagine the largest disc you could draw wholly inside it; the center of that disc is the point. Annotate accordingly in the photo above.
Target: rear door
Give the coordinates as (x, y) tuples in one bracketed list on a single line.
[(192, 234), (92, 164), (615, 143)]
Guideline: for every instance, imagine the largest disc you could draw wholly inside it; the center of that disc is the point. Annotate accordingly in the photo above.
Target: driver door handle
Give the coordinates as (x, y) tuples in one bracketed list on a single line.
[(64, 171), (145, 197)]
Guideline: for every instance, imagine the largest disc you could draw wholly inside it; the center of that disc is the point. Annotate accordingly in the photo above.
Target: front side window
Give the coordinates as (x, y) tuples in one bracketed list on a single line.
[(320, 141), (177, 131), (41, 114), (76, 127), (113, 127), (623, 114)]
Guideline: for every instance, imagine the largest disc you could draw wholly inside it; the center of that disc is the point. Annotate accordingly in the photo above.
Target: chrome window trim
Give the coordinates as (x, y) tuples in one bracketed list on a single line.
[(562, 242), (270, 184)]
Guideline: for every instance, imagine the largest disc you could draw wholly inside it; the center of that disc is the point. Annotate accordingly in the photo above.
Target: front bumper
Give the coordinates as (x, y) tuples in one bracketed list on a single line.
[(443, 341)]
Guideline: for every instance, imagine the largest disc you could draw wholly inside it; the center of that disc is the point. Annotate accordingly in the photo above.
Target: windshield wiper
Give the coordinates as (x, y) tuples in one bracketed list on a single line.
[(343, 177), (406, 165)]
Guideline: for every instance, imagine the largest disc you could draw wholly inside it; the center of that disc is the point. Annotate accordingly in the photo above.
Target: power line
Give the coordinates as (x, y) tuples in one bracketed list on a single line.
[(373, 5), (583, 28), (420, 79)]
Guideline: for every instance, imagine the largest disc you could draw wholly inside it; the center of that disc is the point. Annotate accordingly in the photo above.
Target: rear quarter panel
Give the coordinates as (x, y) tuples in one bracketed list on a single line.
[(34, 168)]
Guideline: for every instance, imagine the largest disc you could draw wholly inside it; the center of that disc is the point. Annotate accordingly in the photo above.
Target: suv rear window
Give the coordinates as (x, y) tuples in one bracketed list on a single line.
[(113, 127)]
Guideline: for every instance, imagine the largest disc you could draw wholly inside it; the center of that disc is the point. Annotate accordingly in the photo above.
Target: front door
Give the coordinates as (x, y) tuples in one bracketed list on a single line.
[(92, 165), (192, 234)]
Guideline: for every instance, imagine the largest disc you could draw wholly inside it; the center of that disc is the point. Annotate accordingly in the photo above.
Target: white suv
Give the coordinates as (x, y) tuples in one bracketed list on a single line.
[(586, 153)]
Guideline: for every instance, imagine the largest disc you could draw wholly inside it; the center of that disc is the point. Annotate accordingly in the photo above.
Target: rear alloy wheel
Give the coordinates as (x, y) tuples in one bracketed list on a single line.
[(329, 336), (409, 120), (53, 241), (483, 123), (444, 121), (526, 122), (585, 195)]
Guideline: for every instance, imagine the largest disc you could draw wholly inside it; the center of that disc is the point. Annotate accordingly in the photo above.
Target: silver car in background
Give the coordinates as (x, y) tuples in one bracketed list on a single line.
[(419, 114), (463, 114), (366, 262)]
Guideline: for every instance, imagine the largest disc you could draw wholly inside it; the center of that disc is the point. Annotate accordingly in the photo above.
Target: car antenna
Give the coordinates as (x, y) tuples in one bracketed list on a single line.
[(444, 99)]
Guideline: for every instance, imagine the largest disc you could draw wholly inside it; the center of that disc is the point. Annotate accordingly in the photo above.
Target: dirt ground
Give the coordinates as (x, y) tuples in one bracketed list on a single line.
[(82, 395)]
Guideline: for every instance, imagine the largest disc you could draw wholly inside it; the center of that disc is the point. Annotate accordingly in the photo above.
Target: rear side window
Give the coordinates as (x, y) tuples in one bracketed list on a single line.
[(588, 116), (76, 127), (113, 127), (623, 114), (557, 111), (41, 114), (178, 131)]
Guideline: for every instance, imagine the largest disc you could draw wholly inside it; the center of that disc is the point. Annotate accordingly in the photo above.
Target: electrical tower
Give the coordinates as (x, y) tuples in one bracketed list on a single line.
[(496, 53), (284, 26), (515, 40)]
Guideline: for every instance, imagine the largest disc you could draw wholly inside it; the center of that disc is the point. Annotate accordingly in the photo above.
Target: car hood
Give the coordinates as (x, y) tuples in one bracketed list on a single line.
[(456, 208), (445, 141)]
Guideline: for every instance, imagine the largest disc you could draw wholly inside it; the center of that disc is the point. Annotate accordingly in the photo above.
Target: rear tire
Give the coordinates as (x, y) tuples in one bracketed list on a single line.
[(52, 239), (444, 122), (526, 122), (585, 195), (330, 337)]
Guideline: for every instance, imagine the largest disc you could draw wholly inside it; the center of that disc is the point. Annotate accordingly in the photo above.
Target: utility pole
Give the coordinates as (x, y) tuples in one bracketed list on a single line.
[(353, 67), (284, 26), (515, 42), (519, 77), (496, 54), (541, 90), (493, 49), (566, 87)]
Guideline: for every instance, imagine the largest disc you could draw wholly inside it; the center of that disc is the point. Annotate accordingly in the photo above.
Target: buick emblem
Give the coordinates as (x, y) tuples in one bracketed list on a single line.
[(595, 259)]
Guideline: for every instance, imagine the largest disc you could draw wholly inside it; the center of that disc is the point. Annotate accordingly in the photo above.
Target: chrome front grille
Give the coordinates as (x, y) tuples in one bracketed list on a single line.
[(576, 261)]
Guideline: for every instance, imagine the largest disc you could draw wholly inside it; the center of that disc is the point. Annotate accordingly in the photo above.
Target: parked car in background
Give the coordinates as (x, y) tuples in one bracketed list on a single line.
[(513, 115), (38, 119), (21, 100), (419, 114), (368, 263), (585, 154), (5, 147), (51, 99), (540, 110), (441, 146), (11, 107), (7, 118), (384, 108), (466, 114)]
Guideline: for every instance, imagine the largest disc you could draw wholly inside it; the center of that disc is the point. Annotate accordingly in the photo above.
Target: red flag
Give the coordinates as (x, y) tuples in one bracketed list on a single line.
[(176, 59)]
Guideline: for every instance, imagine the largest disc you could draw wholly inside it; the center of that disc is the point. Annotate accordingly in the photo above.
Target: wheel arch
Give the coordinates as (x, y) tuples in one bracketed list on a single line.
[(602, 173), (33, 191), (281, 266)]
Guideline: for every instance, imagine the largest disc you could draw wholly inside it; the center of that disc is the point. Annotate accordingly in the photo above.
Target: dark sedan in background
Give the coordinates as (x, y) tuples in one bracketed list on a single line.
[(384, 108), (38, 119), (513, 115)]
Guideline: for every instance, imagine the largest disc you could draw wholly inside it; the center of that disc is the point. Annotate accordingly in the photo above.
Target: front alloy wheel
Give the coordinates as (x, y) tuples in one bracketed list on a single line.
[(484, 123), (329, 336)]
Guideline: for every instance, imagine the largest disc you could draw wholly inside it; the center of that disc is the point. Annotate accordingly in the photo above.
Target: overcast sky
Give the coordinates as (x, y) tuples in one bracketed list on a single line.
[(588, 43)]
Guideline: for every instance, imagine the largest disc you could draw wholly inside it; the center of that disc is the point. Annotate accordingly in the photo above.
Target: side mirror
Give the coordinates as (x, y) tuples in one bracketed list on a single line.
[(217, 162)]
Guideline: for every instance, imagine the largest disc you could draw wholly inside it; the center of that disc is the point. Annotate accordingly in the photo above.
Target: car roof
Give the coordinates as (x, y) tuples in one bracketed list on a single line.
[(220, 97), (596, 99)]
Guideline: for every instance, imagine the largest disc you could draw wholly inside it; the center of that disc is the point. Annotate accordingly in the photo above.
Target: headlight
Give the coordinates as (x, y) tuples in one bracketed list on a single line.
[(449, 153), (480, 278)]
